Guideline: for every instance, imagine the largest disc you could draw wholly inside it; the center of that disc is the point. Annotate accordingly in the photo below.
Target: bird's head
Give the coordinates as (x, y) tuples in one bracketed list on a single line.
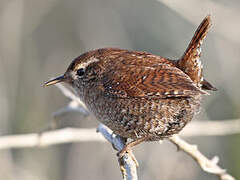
[(83, 69)]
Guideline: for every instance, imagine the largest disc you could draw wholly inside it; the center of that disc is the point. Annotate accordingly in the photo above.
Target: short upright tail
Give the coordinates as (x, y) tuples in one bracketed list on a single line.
[(190, 62)]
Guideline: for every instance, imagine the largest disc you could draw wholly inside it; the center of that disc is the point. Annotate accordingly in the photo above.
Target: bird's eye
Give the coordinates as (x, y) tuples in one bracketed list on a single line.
[(80, 72)]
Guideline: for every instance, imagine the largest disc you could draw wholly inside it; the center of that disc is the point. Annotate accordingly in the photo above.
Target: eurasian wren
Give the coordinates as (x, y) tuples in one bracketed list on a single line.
[(139, 95)]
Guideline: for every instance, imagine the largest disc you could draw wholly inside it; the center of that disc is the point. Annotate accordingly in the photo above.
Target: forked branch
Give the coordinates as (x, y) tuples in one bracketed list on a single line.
[(207, 165)]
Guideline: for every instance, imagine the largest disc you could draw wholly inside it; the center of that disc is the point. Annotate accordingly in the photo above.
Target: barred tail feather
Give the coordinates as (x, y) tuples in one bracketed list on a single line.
[(190, 62)]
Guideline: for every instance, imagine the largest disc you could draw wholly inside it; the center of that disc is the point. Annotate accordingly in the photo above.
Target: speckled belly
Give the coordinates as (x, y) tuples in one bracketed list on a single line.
[(139, 117)]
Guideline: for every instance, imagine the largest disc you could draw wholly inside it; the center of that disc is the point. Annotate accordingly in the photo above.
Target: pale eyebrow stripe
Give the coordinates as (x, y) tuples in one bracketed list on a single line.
[(85, 64)]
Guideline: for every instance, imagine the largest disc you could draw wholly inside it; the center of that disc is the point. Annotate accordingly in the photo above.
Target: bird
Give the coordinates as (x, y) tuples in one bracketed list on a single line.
[(138, 95)]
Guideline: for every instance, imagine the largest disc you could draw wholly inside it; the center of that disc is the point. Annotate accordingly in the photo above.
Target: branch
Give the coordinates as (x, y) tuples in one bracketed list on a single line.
[(128, 164), (207, 165), (69, 135), (212, 128)]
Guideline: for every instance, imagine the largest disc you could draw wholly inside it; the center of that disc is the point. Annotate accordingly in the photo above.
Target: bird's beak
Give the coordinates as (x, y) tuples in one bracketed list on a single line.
[(54, 81)]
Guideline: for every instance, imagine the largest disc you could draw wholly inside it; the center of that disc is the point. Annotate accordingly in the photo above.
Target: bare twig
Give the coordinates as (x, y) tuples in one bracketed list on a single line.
[(68, 135), (212, 128), (127, 163), (49, 138), (207, 165)]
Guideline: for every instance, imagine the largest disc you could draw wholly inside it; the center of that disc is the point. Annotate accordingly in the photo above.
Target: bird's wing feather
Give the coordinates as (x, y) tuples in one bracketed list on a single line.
[(161, 81)]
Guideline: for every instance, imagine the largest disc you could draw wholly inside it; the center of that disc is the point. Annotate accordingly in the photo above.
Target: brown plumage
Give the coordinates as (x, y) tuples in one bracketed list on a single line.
[(139, 95)]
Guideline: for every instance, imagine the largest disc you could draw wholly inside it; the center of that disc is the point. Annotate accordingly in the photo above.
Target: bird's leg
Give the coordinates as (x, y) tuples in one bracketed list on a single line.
[(128, 147)]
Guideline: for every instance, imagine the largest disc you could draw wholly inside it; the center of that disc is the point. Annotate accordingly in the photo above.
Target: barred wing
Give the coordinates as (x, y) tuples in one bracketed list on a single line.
[(162, 81)]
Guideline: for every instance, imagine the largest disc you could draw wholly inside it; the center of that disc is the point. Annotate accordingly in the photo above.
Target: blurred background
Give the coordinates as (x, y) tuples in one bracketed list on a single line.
[(38, 40)]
